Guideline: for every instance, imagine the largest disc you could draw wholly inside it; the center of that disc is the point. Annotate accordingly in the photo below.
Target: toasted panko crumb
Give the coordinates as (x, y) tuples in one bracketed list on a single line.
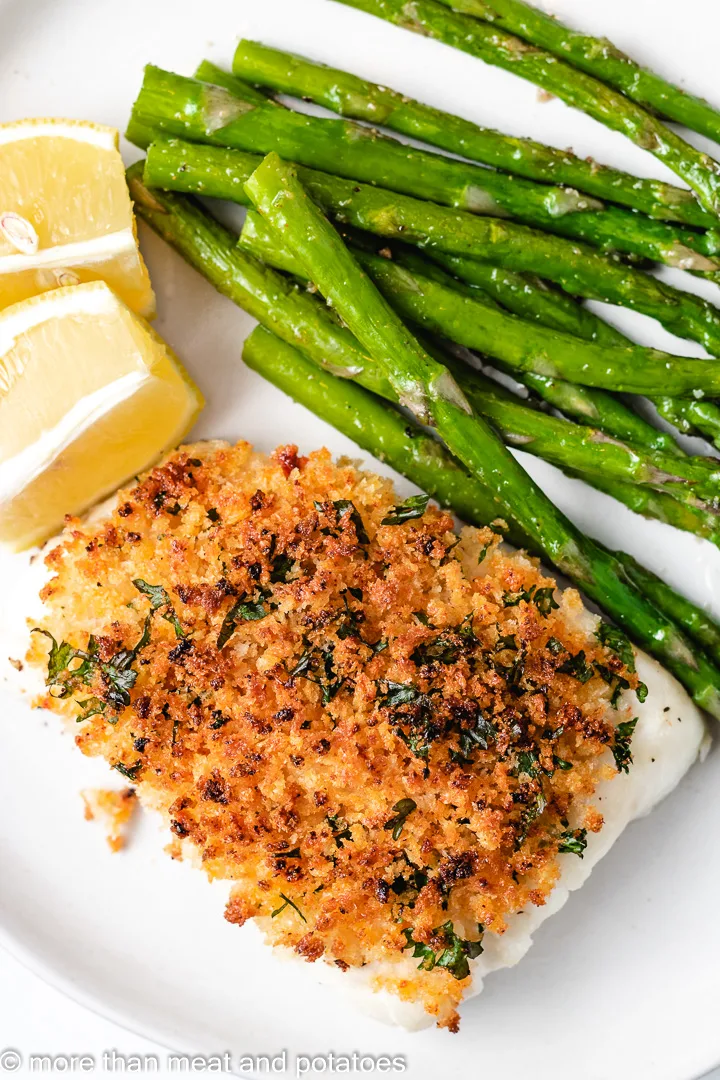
[(381, 732), (113, 810)]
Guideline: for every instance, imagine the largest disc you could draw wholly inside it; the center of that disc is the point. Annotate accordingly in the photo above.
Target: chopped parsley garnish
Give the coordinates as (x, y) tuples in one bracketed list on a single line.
[(481, 734), (402, 809), (578, 667), (454, 954), (159, 599), (400, 694), (618, 643), (573, 842), (407, 888), (621, 746), (243, 610), (345, 506), (287, 903), (442, 650), (58, 661), (412, 508), (527, 763), (219, 720), (281, 566), (543, 599), (130, 772), (93, 706), (117, 673), (317, 666)]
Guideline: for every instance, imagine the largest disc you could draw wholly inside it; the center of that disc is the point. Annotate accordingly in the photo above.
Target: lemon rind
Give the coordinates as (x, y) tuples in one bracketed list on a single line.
[(105, 138)]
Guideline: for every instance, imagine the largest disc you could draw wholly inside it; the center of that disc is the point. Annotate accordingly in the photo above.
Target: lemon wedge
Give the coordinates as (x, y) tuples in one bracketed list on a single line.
[(65, 213), (89, 396)]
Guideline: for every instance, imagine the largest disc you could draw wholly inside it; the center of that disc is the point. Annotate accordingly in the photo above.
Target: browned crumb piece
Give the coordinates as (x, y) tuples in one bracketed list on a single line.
[(112, 809)]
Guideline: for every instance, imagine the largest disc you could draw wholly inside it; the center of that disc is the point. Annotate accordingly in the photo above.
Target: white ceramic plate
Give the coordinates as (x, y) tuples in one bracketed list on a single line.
[(625, 982)]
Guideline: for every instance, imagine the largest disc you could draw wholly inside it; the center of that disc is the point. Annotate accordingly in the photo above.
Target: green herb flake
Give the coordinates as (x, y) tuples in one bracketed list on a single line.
[(344, 506), (621, 747), (400, 694), (578, 667), (287, 903), (130, 772), (159, 599), (527, 763), (281, 568), (402, 809), (545, 601), (441, 650), (243, 610), (412, 508), (617, 643), (453, 957), (573, 842), (92, 706)]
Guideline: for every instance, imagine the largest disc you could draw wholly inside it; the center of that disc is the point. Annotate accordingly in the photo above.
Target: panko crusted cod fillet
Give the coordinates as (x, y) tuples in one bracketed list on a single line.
[(401, 746)]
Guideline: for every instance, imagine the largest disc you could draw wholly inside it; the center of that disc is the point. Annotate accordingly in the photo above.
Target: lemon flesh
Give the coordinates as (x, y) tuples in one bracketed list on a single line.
[(66, 180), (89, 397)]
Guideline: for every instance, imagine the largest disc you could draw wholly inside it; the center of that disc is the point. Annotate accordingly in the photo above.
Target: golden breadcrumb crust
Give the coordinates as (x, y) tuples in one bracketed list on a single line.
[(381, 733)]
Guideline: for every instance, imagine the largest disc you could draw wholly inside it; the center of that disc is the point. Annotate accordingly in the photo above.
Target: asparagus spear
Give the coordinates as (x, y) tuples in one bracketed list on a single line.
[(491, 44), (693, 619), (598, 57), (440, 308), (211, 249), (563, 443), (187, 108), (208, 72), (692, 518), (391, 437), (525, 296), (428, 389), (592, 406), (142, 133), (579, 269), (359, 99), (552, 309), (585, 450), (659, 507)]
